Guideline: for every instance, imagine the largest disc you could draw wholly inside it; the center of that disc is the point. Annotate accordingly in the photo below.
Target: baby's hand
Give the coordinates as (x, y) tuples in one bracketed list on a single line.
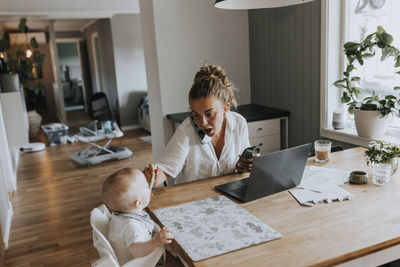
[(148, 172), (162, 237)]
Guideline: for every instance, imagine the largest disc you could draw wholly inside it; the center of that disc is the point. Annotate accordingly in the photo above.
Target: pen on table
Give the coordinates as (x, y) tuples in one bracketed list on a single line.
[(152, 176)]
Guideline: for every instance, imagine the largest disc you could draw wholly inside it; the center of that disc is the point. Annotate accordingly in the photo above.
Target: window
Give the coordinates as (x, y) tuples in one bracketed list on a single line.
[(358, 19)]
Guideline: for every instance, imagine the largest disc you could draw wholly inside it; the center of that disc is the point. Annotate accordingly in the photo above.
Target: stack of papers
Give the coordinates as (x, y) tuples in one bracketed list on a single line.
[(321, 184)]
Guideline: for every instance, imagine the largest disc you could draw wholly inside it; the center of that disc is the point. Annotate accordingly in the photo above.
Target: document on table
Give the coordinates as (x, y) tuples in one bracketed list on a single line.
[(321, 184)]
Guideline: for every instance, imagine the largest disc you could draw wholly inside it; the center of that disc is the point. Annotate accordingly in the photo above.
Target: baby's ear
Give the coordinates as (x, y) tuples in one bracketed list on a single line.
[(137, 204)]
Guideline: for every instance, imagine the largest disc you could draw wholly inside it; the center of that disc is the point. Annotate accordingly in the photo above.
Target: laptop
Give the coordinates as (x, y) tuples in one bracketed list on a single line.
[(270, 174)]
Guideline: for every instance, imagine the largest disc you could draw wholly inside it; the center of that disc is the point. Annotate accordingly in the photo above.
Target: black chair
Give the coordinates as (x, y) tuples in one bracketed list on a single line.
[(100, 108), (333, 149)]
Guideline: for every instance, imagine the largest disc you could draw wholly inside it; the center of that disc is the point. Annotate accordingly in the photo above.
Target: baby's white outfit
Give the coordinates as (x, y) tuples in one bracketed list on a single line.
[(128, 228)]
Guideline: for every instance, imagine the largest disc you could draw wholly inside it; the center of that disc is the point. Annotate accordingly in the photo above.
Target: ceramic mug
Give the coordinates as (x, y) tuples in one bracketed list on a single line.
[(358, 177)]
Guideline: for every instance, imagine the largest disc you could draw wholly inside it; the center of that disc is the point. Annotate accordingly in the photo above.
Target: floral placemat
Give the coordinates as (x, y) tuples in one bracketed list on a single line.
[(213, 226)]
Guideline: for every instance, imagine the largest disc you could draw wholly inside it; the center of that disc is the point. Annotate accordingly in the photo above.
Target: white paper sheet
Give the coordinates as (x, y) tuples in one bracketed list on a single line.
[(322, 184)]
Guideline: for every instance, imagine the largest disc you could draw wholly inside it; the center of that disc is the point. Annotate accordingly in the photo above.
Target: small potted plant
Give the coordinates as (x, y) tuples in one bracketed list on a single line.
[(383, 158), (370, 113)]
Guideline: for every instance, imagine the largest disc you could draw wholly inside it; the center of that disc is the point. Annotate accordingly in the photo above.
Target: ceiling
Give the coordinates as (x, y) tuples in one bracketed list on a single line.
[(42, 24), (67, 9)]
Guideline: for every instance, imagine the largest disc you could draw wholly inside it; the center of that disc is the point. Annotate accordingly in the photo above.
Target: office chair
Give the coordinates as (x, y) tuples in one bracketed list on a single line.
[(100, 219), (333, 149), (100, 108)]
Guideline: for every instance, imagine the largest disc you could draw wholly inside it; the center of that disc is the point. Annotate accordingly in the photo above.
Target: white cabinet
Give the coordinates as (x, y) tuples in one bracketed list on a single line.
[(266, 134), (15, 118)]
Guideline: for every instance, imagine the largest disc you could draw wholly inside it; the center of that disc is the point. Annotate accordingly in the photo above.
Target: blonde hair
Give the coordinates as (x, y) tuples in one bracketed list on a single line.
[(117, 190), (211, 80)]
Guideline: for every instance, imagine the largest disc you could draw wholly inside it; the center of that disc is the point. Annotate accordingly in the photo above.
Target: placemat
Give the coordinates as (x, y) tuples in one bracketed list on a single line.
[(213, 226)]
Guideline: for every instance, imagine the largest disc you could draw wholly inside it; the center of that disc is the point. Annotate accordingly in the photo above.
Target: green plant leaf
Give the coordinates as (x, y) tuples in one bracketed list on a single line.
[(367, 55), (387, 38), (349, 68), (380, 30), (355, 79), (34, 43), (396, 88), (397, 64), (351, 109), (351, 45), (22, 24), (381, 44), (359, 59), (4, 45)]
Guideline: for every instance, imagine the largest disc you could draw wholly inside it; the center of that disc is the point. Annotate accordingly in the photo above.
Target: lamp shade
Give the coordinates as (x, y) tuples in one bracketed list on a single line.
[(252, 4)]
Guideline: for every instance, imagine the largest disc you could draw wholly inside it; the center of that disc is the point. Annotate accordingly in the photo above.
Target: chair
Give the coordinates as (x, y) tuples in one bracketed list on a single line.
[(100, 108), (99, 220)]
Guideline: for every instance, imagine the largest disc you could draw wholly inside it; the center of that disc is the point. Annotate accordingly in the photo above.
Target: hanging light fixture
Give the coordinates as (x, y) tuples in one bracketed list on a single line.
[(28, 51), (252, 4)]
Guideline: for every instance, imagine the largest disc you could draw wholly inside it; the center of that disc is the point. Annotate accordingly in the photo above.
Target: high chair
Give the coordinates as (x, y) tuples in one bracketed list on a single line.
[(99, 220)]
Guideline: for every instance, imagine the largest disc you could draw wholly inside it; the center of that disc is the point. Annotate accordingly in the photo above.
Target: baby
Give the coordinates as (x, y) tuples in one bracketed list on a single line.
[(127, 193)]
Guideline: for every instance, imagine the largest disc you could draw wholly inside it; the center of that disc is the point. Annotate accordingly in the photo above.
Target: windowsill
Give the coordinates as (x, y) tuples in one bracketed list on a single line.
[(349, 135)]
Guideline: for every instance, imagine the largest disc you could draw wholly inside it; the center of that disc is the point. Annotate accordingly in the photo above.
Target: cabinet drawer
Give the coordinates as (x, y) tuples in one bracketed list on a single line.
[(263, 128), (267, 144)]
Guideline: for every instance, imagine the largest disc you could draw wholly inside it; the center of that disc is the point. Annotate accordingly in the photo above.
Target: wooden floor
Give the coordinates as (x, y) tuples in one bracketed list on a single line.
[(50, 226)]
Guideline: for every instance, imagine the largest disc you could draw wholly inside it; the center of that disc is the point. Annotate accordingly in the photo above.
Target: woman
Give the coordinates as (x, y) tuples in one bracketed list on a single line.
[(209, 142)]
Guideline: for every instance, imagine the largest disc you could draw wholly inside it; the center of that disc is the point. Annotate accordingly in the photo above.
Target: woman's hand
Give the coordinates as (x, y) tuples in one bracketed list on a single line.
[(159, 176), (246, 163)]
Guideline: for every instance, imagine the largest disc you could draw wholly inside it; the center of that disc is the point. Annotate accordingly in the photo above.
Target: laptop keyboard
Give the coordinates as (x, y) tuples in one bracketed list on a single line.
[(241, 191)]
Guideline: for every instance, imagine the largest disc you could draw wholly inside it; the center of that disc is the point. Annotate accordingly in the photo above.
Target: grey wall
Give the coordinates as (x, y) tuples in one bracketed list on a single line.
[(285, 65), (178, 37), (130, 67), (107, 76), (68, 54), (69, 34)]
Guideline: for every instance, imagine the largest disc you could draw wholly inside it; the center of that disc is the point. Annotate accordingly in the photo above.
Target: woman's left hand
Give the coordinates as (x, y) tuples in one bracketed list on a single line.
[(246, 164)]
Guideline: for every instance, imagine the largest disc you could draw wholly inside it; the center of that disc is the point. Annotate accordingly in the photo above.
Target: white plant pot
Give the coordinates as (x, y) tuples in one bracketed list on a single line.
[(370, 124)]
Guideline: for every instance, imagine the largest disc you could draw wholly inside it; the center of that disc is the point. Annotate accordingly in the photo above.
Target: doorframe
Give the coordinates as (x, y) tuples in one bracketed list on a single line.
[(77, 41), (95, 60)]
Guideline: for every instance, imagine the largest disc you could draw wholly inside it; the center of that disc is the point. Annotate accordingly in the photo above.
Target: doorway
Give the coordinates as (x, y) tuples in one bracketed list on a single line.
[(72, 80)]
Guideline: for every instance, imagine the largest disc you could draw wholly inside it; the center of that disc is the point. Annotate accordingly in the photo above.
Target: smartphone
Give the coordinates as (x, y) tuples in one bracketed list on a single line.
[(248, 153), (200, 133)]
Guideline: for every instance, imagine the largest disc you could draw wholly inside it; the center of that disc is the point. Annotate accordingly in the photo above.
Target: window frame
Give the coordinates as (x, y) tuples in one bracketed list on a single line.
[(333, 35)]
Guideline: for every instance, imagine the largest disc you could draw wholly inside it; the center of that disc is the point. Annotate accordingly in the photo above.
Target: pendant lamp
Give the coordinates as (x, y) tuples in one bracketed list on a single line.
[(252, 4)]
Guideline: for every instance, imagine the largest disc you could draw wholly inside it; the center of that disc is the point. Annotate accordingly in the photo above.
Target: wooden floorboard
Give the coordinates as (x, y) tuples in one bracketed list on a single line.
[(50, 226)]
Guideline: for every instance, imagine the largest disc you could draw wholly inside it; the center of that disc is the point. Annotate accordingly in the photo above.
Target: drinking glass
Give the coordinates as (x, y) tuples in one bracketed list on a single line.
[(322, 150)]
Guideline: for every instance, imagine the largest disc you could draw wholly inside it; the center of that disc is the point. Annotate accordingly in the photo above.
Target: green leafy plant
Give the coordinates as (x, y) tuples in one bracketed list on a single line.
[(381, 152), (357, 53), (18, 62)]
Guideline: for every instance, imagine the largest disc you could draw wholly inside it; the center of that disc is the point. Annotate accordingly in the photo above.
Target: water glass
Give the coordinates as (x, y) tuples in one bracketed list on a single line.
[(322, 150), (381, 173)]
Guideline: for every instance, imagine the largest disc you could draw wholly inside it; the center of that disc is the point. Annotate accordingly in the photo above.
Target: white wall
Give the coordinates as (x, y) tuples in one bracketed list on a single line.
[(5, 171), (179, 36), (129, 65)]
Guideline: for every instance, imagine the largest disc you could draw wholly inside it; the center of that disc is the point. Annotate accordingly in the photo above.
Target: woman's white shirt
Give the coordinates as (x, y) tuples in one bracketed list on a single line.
[(187, 159)]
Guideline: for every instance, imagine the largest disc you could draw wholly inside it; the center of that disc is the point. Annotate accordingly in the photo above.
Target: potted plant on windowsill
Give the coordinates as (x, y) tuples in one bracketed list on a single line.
[(370, 113)]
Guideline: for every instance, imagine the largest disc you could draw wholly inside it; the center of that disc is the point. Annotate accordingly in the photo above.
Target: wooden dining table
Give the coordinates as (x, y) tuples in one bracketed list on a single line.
[(363, 231)]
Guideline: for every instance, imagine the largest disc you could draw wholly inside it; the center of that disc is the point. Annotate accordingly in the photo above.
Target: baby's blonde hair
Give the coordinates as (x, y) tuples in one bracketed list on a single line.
[(118, 193)]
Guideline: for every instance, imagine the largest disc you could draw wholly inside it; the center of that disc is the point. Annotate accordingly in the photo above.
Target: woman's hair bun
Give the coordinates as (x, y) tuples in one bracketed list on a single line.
[(212, 80)]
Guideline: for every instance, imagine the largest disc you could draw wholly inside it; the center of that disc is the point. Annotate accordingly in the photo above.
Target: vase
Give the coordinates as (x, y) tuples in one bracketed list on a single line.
[(369, 123), (395, 165), (381, 173)]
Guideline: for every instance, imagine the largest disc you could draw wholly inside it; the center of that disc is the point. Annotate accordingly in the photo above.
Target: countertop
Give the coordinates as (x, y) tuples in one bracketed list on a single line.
[(250, 112)]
